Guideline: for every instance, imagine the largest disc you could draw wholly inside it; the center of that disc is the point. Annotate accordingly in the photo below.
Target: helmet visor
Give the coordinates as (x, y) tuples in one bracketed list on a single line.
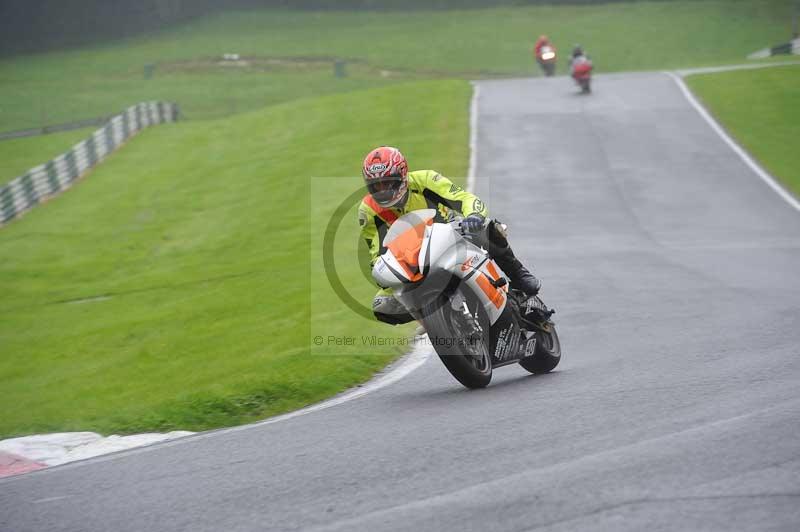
[(385, 189)]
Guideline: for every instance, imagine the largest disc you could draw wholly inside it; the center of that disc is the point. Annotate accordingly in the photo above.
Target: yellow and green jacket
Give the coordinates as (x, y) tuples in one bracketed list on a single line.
[(427, 189)]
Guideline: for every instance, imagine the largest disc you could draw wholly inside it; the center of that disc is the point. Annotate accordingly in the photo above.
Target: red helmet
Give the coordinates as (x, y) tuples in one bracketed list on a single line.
[(386, 175)]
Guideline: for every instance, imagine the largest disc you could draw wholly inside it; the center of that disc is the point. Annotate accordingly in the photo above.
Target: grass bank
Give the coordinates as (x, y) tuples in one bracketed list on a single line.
[(17, 156), (760, 109), (103, 79), (172, 288)]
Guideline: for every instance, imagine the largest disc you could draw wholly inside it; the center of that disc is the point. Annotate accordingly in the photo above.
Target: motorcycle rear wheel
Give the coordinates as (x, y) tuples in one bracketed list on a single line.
[(466, 358), (548, 351)]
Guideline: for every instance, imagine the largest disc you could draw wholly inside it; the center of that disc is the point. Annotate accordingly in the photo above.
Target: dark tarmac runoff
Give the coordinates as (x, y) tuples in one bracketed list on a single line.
[(675, 272)]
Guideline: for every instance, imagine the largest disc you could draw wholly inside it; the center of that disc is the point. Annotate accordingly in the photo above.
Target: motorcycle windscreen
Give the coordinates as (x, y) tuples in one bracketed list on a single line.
[(408, 221), (547, 53), (404, 240)]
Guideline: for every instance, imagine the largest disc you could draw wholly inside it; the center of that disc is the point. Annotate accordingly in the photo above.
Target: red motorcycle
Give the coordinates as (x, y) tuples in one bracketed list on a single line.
[(582, 73)]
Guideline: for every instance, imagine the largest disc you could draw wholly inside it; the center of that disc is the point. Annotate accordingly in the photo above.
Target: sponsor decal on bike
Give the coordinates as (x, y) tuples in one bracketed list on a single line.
[(507, 344), (534, 303), (501, 347), (380, 268), (530, 346), (469, 263)]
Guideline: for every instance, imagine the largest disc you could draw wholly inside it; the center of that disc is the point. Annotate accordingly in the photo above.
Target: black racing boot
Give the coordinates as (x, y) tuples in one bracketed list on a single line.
[(518, 274), (496, 244)]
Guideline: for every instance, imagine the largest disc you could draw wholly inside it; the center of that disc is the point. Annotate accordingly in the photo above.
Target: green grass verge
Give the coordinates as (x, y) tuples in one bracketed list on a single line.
[(760, 109), (203, 95), (171, 288), (17, 156), (103, 79)]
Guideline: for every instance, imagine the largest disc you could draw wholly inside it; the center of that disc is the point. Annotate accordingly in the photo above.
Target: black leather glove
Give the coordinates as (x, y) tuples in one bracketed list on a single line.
[(473, 223)]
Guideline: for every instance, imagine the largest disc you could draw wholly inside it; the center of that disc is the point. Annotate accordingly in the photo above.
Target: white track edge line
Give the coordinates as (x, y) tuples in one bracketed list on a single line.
[(473, 137), (743, 155), (683, 72), (414, 359)]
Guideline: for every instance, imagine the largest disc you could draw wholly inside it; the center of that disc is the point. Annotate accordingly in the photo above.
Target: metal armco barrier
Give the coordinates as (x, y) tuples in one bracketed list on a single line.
[(791, 47), (51, 178)]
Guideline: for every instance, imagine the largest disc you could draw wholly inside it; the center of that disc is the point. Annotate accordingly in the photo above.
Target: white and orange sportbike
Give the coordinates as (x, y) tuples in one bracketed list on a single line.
[(475, 320)]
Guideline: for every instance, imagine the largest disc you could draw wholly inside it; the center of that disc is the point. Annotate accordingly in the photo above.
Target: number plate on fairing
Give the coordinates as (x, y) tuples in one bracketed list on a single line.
[(480, 274)]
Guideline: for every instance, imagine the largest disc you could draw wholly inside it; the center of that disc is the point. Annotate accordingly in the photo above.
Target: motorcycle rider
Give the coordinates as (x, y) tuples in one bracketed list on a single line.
[(546, 61), (394, 191), (578, 56), (543, 40), (580, 67)]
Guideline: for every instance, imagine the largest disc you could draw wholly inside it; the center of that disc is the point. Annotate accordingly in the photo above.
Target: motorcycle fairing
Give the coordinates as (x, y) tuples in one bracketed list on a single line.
[(481, 275), (399, 264), (462, 297), (424, 259), (417, 248), (582, 69), (442, 250), (505, 336), (547, 53)]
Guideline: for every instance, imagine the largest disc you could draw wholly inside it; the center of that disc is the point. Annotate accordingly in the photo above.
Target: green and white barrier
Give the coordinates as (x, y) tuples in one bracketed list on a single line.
[(791, 47), (53, 177)]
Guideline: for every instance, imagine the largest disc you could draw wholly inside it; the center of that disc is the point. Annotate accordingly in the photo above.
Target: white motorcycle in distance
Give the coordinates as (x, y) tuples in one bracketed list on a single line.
[(547, 60), (475, 320)]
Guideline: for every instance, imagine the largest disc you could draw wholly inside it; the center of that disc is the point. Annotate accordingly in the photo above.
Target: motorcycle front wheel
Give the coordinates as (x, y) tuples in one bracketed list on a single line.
[(461, 344)]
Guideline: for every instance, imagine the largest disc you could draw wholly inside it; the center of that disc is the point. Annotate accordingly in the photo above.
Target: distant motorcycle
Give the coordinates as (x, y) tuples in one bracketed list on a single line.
[(582, 73), (547, 59), (475, 320)]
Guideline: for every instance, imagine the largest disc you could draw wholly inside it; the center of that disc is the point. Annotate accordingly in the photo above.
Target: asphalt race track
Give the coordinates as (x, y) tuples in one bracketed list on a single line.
[(676, 275)]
